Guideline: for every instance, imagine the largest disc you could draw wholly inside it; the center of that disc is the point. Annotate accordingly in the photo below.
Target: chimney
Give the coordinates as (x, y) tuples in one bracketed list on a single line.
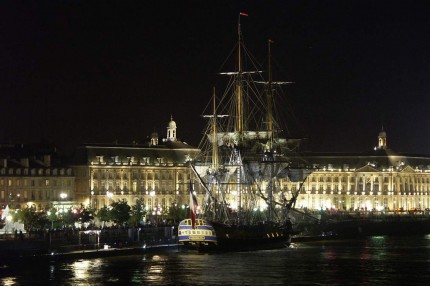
[(47, 160), (25, 162)]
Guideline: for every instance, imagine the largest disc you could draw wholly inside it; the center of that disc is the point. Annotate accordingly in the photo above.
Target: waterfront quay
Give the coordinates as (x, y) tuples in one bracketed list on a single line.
[(370, 223), (116, 241), (77, 243)]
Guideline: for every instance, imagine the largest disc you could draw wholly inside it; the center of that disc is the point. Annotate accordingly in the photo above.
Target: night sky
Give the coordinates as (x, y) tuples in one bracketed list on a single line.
[(74, 72)]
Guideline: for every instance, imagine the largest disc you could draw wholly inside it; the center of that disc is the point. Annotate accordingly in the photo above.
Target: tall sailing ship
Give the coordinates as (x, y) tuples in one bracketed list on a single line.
[(244, 158)]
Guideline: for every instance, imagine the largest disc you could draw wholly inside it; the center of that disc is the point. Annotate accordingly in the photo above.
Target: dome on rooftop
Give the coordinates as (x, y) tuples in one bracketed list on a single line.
[(172, 124)]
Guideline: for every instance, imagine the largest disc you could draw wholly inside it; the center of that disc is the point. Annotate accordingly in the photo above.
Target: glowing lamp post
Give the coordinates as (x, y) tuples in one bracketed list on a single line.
[(91, 199), (109, 195)]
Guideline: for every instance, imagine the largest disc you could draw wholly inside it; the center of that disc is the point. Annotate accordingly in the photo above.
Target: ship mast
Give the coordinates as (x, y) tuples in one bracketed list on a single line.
[(214, 185), (269, 94), (239, 95), (270, 132), (214, 136), (237, 158)]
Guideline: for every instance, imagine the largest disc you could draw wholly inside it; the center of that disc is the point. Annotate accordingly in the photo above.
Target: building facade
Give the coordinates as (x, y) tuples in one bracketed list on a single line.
[(156, 172), (33, 176), (378, 180)]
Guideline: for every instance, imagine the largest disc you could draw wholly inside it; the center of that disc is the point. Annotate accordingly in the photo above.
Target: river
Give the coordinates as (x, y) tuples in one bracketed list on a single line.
[(378, 260)]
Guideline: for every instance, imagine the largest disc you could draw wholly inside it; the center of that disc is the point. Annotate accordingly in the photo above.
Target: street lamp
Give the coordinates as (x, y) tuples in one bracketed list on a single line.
[(91, 198), (109, 195)]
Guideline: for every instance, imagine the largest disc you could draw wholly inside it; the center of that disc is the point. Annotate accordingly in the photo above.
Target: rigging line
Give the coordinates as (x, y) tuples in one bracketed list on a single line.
[(263, 197), (206, 188), (201, 181), (291, 204), (233, 50)]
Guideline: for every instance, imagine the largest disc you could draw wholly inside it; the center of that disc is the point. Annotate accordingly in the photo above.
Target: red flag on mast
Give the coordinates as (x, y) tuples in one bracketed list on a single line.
[(243, 14), (193, 206)]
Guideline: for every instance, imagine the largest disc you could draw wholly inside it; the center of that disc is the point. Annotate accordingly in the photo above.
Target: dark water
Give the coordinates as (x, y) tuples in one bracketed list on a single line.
[(372, 261)]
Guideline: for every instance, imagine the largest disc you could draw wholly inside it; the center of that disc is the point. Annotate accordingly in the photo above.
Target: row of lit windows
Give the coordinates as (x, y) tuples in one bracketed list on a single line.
[(40, 195), (143, 186), (144, 174), (35, 182), (361, 203), (117, 160), (385, 179), (361, 187), (34, 172), (195, 232)]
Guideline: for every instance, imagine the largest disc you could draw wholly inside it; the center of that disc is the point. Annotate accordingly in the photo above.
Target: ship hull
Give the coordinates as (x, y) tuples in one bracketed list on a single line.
[(222, 237), (251, 237)]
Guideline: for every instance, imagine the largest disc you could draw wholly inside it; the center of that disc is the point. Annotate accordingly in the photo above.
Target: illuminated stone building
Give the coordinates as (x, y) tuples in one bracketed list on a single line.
[(158, 173), (155, 171), (378, 180), (34, 176)]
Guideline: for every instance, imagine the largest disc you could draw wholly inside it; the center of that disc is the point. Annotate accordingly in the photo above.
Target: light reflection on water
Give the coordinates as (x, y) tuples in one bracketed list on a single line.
[(372, 261)]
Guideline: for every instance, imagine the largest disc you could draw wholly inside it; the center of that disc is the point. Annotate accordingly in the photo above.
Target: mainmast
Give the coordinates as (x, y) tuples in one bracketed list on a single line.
[(270, 130), (239, 88), (237, 158)]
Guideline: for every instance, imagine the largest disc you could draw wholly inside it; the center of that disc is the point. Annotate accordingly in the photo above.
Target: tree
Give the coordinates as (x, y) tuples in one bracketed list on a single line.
[(69, 218), (86, 215), (104, 215), (52, 216), (138, 212), (176, 213), (31, 219), (120, 212)]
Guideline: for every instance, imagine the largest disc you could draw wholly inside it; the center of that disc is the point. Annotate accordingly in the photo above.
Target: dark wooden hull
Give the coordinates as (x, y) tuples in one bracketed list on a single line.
[(251, 237)]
